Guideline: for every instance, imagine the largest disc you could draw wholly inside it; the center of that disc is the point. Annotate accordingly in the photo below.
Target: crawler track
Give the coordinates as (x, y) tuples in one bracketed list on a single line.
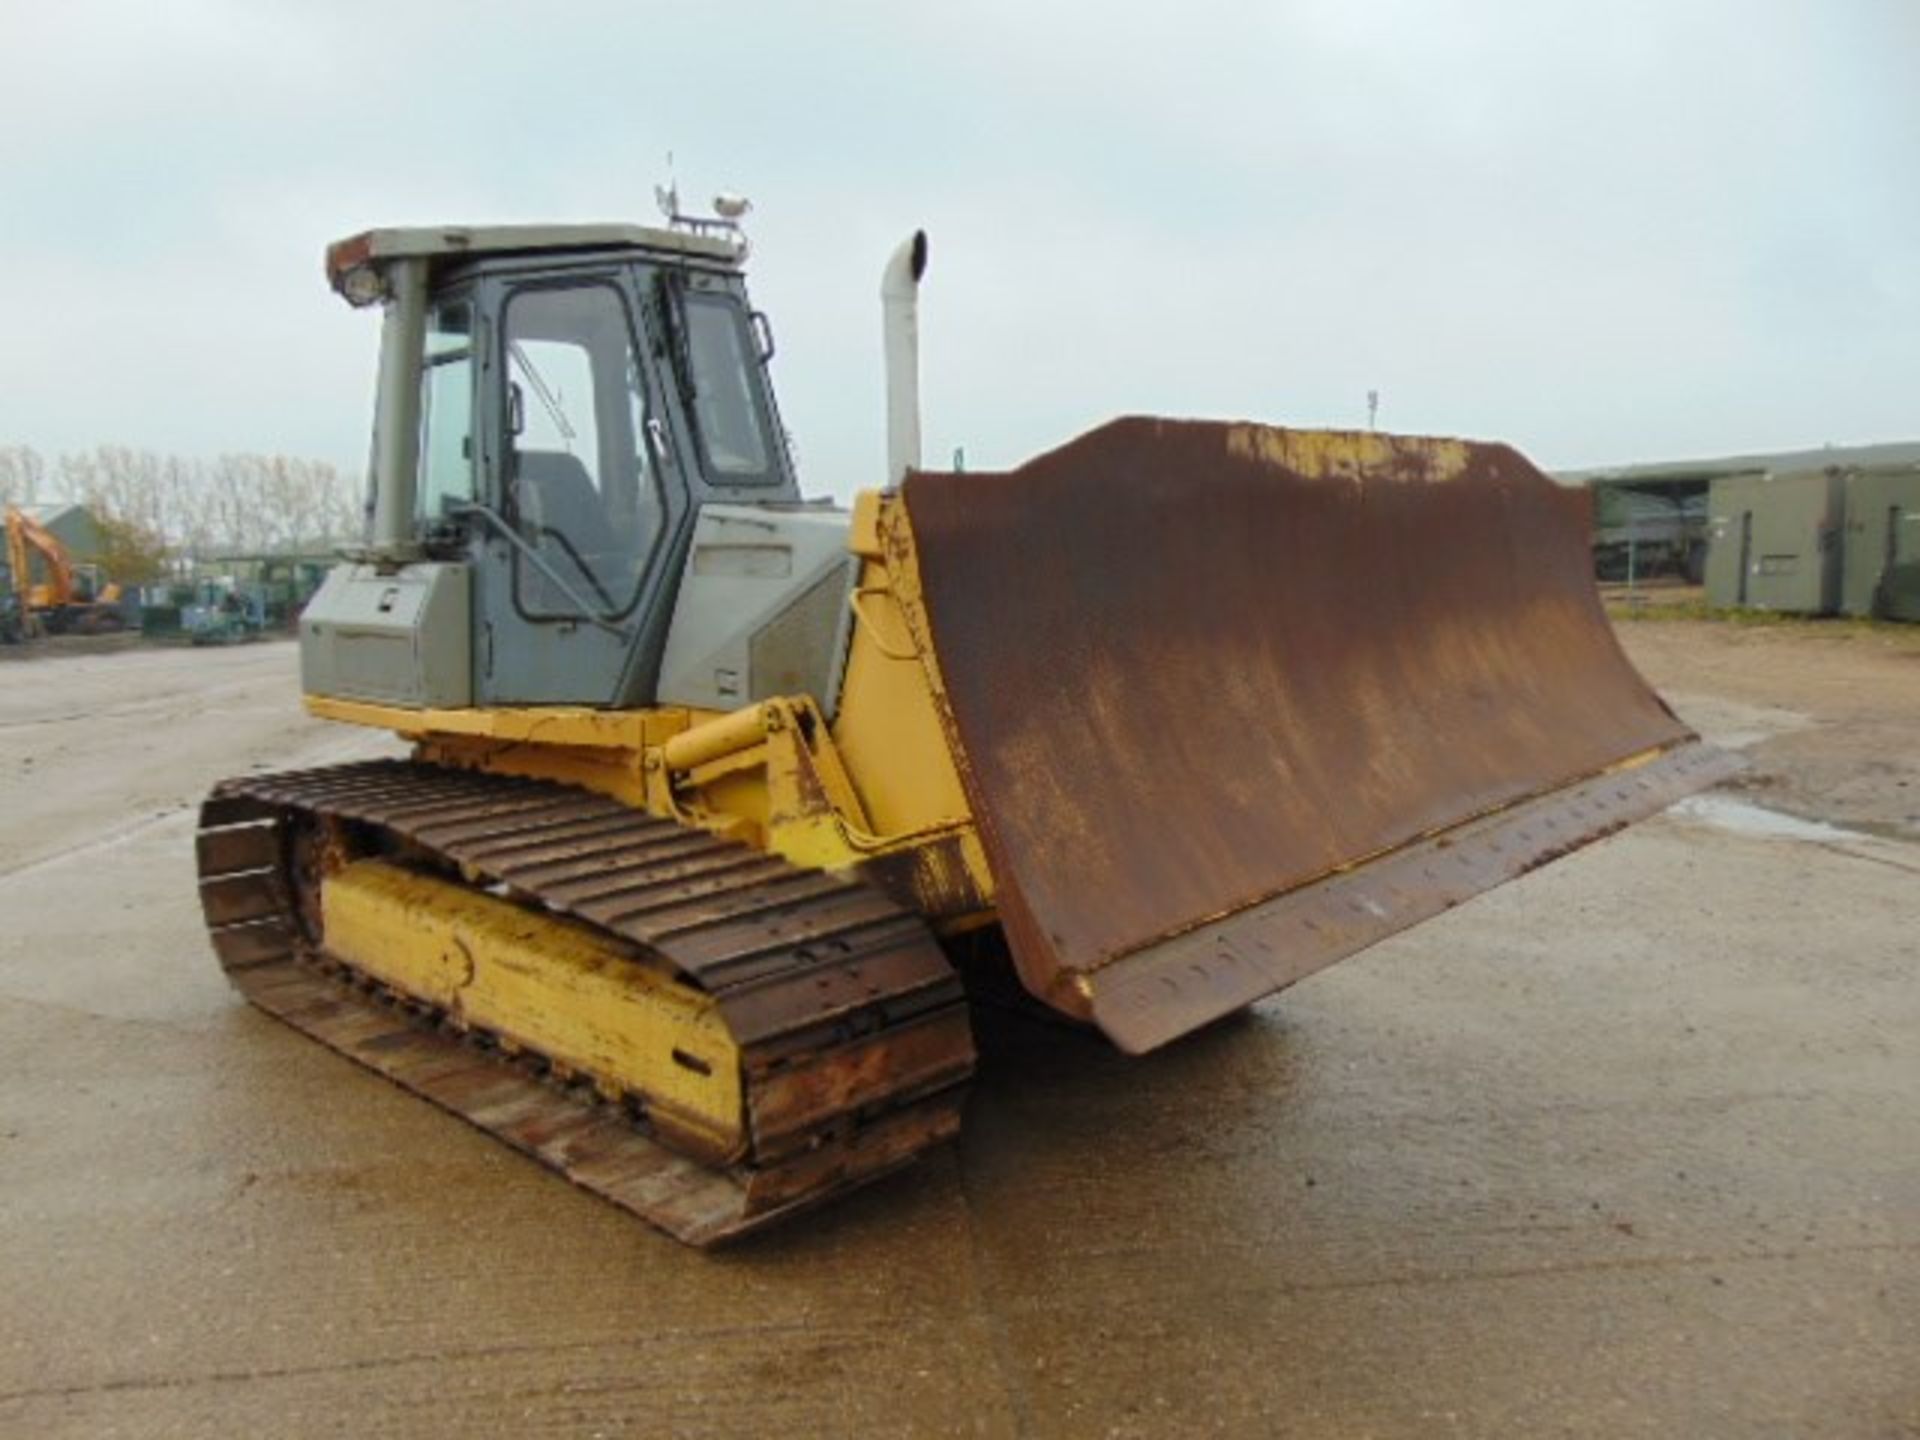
[(851, 1023)]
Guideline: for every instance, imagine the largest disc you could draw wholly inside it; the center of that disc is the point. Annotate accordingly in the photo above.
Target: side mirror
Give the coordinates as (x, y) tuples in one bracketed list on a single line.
[(762, 334)]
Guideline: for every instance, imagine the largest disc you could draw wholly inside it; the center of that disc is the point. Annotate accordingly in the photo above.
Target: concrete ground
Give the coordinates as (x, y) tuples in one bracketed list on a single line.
[(1629, 1147)]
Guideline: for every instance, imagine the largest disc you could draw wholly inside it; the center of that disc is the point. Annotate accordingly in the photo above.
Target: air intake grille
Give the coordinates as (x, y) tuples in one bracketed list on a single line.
[(795, 653)]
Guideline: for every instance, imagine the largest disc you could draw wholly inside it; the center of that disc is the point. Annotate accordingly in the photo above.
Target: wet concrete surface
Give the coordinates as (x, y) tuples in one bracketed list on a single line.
[(1629, 1147)]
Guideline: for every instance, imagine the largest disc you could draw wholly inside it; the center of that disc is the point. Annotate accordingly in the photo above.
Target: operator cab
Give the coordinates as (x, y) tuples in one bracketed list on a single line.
[(557, 406)]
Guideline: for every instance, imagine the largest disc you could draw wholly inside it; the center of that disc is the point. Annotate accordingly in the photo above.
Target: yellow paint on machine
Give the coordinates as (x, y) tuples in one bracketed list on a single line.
[(549, 985), (874, 792), (1328, 454), (564, 726)]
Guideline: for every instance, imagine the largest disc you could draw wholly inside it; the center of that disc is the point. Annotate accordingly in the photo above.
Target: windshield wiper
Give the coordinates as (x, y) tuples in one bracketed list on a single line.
[(549, 400)]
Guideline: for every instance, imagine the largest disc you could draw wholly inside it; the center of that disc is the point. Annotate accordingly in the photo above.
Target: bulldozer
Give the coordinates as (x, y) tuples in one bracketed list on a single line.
[(719, 799)]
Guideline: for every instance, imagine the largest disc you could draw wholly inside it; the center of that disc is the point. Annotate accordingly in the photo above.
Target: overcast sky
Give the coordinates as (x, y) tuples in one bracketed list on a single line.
[(1602, 232)]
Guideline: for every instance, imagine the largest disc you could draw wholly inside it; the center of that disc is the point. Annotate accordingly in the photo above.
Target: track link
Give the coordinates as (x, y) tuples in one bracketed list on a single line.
[(851, 1023)]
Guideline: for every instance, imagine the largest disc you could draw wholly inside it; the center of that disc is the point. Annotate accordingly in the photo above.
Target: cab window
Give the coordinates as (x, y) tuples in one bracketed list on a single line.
[(446, 410), (727, 413), (582, 486)]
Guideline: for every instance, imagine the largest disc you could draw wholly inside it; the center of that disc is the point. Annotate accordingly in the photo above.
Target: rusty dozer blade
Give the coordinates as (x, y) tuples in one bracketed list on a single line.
[(1231, 702)]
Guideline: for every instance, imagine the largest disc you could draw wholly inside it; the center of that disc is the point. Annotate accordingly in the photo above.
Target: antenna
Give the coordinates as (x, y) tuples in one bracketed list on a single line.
[(667, 196), (729, 208), (1373, 408)]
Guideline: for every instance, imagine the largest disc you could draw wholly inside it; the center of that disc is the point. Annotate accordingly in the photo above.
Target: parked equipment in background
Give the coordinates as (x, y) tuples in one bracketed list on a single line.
[(716, 793), (20, 623), (224, 612), (1642, 535), (284, 581), (72, 598), (13, 610)]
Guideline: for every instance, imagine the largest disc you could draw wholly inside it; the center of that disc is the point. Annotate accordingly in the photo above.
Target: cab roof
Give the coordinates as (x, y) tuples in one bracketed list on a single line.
[(373, 247)]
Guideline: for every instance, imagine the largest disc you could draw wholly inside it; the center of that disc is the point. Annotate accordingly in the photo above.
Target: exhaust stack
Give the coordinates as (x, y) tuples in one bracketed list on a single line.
[(900, 303)]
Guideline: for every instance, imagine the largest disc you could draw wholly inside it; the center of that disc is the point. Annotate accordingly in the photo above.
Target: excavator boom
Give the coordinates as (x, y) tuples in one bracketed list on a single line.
[(27, 537)]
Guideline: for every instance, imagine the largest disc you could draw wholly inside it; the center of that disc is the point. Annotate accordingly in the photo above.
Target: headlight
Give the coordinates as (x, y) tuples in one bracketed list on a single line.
[(363, 285)]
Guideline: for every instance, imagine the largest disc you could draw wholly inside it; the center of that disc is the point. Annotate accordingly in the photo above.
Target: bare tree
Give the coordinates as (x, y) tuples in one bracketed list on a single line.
[(22, 472), (184, 509)]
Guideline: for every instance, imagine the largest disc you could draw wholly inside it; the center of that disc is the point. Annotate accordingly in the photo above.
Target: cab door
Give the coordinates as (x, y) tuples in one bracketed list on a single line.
[(574, 585)]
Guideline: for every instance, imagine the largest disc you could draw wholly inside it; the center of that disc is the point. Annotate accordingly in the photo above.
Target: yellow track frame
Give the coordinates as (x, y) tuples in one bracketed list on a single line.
[(583, 1000)]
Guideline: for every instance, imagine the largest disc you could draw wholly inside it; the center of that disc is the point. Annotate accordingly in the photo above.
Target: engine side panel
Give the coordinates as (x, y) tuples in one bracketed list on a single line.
[(401, 636), (762, 610)]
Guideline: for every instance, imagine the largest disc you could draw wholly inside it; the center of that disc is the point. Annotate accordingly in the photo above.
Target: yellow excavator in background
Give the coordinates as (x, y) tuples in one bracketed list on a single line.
[(718, 795), (72, 598)]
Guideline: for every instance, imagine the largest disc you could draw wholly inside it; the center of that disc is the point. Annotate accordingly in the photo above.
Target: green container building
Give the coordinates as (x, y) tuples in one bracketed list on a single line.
[(1773, 541), (1881, 548)]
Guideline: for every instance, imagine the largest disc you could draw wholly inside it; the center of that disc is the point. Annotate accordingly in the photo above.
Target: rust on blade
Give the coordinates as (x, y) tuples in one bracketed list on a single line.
[(1193, 668), (1161, 991)]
